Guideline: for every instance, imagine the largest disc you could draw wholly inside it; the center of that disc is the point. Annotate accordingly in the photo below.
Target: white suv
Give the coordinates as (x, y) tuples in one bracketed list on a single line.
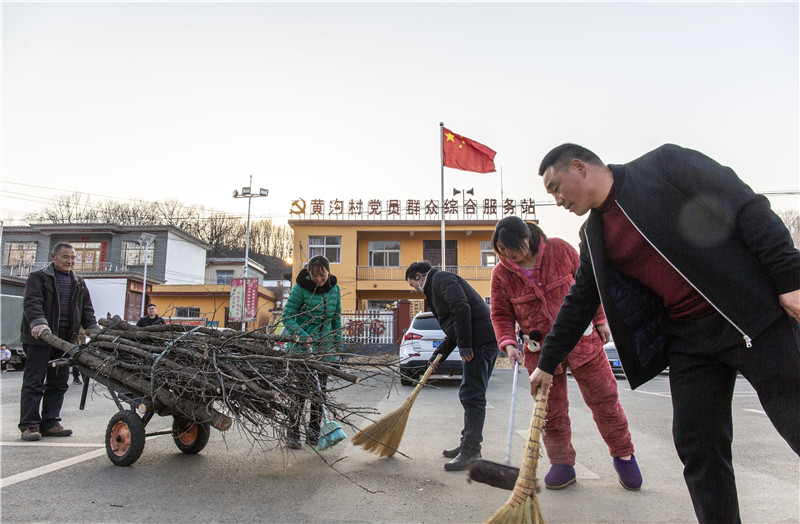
[(419, 343)]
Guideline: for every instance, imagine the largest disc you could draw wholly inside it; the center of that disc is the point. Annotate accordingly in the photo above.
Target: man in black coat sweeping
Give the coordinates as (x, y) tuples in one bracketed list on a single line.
[(694, 272), (464, 318)]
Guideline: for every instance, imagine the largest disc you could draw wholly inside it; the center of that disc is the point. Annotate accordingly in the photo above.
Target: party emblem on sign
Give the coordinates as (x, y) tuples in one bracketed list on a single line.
[(298, 207)]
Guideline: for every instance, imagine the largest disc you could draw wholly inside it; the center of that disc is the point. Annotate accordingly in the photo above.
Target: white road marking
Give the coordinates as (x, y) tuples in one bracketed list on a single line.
[(754, 411), (55, 466), (666, 395), (49, 468), (51, 444)]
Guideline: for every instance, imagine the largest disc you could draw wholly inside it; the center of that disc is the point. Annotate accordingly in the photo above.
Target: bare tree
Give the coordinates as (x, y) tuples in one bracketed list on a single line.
[(220, 229)]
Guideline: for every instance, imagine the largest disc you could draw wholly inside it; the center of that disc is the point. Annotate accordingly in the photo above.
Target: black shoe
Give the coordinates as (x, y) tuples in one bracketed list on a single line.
[(452, 453), (77, 381), (294, 443), (312, 441), (462, 462)]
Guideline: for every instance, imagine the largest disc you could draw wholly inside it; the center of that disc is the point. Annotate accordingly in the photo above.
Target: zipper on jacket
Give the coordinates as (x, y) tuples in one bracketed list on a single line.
[(748, 342)]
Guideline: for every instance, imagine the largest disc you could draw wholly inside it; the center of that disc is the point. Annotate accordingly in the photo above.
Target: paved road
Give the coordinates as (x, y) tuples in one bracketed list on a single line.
[(71, 480)]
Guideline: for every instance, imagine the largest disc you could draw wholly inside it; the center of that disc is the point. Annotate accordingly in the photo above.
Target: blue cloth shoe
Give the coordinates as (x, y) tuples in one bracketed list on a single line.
[(559, 477), (629, 475)]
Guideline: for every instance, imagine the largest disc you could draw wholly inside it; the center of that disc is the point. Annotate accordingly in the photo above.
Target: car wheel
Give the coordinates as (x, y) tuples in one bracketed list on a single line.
[(405, 378)]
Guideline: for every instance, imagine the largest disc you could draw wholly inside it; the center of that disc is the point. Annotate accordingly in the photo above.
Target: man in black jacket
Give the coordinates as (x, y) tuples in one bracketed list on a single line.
[(465, 320), (55, 300), (694, 272), (151, 319)]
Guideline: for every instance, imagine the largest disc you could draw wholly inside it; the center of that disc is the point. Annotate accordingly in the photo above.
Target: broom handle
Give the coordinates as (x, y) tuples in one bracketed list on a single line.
[(525, 484), (511, 417), (423, 380)]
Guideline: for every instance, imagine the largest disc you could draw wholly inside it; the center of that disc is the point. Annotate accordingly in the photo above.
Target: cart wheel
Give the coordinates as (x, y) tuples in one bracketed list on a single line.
[(125, 438), (190, 436)]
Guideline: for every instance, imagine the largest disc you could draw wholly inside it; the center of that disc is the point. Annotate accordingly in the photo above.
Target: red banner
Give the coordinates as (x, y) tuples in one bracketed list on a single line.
[(244, 300)]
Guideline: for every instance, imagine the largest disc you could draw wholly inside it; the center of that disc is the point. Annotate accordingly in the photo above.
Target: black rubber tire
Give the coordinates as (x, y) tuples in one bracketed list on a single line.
[(125, 438), (190, 436)]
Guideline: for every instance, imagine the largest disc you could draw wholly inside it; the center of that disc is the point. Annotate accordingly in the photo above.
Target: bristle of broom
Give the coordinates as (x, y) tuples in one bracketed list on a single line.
[(527, 512), (522, 506), (383, 436)]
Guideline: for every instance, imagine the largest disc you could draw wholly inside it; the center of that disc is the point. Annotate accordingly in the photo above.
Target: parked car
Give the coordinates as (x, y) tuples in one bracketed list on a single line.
[(419, 342), (613, 358)]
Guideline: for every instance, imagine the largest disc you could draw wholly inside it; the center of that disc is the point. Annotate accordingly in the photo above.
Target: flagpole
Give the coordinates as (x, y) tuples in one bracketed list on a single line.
[(441, 204), (501, 189)]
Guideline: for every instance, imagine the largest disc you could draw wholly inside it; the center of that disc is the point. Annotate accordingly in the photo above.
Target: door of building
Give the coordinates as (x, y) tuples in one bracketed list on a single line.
[(88, 256), (432, 252)]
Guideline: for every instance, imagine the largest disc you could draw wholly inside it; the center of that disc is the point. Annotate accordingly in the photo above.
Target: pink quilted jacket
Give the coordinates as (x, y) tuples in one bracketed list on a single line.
[(515, 299)]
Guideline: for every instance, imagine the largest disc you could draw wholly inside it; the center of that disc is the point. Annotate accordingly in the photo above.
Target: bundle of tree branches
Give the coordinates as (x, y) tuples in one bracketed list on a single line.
[(221, 376)]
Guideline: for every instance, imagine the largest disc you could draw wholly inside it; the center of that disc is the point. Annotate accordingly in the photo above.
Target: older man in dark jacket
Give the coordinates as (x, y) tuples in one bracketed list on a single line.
[(55, 300), (694, 271), (465, 320)]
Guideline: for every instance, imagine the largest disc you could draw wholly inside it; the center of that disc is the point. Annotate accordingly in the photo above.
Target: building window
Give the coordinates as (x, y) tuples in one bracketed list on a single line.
[(132, 254), (381, 305), (488, 256), (329, 247), (187, 312), (224, 276), (19, 254), (384, 254)]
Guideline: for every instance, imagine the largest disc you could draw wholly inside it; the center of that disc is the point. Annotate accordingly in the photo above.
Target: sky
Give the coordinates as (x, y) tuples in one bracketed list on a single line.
[(343, 100)]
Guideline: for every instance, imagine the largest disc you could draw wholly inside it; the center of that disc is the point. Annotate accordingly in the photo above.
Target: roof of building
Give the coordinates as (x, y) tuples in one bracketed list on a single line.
[(274, 267), (105, 228)]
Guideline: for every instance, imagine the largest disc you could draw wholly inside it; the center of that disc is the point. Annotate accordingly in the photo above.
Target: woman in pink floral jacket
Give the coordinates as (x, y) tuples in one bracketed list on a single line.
[(529, 284)]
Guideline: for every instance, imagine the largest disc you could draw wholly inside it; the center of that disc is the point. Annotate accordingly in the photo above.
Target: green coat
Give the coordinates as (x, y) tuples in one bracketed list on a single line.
[(316, 312)]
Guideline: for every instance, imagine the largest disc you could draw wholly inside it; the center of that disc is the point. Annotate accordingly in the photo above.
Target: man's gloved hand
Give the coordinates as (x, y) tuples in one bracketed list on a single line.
[(37, 330), (466, 354)]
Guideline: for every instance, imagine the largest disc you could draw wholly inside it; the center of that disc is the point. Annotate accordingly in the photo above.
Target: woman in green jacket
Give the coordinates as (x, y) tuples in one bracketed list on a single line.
[(314, 313)]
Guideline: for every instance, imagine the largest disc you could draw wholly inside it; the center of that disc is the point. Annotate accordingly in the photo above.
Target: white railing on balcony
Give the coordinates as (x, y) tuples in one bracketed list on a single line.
[(23, 270), (399, 273)]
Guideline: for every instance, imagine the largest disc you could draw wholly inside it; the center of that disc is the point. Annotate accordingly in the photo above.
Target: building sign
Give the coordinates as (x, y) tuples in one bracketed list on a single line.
[(244, 300), (413, 209)]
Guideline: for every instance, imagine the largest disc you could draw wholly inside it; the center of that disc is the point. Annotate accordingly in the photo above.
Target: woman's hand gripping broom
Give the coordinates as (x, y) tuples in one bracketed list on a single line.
[(383, 436)]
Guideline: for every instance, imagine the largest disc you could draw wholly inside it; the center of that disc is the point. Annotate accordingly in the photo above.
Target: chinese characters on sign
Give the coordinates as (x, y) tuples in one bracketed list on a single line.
[(243, 300), (412, 209)]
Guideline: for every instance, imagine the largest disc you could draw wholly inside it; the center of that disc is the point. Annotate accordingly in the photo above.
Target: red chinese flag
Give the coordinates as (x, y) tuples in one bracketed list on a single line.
[(465, 154)]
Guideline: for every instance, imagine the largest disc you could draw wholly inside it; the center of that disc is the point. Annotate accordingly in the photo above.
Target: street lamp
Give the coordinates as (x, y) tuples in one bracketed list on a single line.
[(248, 194), (145, 240)]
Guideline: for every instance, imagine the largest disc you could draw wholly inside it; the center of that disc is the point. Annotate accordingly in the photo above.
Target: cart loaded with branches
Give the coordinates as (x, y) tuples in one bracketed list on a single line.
[(206, 377)]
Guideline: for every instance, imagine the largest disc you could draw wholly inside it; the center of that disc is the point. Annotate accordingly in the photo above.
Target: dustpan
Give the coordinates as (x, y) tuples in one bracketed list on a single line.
[(330, 434)]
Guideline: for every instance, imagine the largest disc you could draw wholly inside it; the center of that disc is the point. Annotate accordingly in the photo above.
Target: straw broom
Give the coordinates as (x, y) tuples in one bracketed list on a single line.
[(383, 436), (523, 506)]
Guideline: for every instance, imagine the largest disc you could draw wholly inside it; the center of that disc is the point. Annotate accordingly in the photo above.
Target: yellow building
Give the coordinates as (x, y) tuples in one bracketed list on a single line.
[(370, 257), (191, 304), (371, 243)]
